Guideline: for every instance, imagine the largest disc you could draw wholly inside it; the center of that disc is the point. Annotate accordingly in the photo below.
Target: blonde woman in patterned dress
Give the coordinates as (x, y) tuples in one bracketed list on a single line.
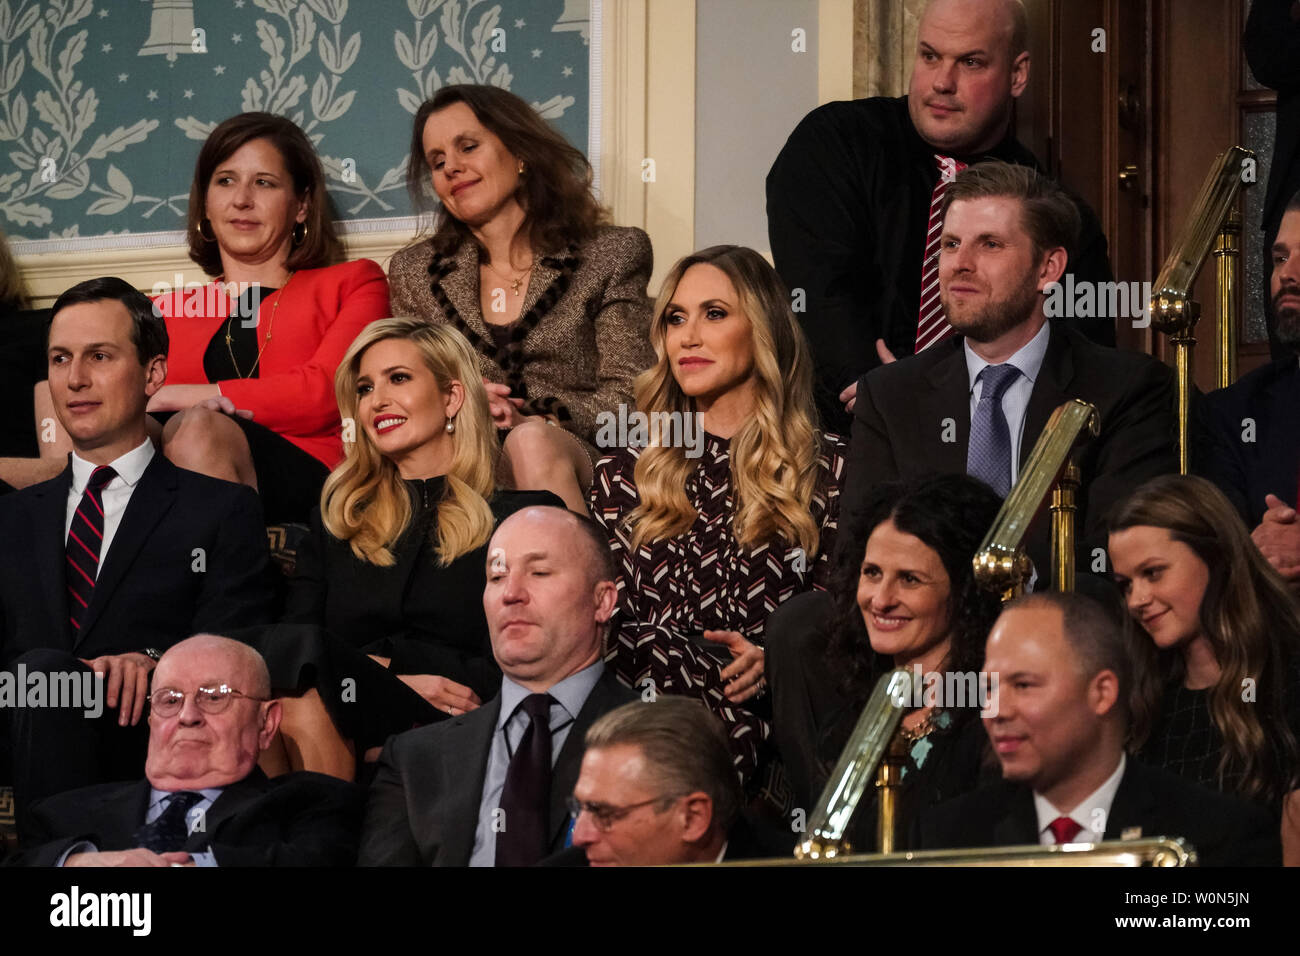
[(719, 520)]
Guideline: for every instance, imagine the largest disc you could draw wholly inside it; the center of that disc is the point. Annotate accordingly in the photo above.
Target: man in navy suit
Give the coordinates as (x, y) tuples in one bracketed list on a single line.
[(1250, 445), (1058, 720), (121, 555)]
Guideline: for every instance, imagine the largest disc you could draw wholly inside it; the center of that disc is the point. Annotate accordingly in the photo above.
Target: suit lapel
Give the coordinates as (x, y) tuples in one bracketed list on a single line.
[(464, 767), (1049, 392), (1019, 826), (461, 287), (565, 772), (150, 501), (49, 516), (948, 397), (1133, 806), (232, 800)]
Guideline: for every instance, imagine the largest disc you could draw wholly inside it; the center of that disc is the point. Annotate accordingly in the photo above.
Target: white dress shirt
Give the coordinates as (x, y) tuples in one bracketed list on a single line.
[(1015, 400), (1091, 813), (117, 493)]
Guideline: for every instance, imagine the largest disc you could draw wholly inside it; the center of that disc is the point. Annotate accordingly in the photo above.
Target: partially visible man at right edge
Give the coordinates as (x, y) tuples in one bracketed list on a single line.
[(853, 199)]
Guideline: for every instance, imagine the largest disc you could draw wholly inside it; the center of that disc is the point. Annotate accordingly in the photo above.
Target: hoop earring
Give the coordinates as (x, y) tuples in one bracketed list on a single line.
[(299, 238), (203, 235), (451, 426)]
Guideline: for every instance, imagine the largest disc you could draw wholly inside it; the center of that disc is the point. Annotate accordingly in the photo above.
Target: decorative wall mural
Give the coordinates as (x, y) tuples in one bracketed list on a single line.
[(103, 103)]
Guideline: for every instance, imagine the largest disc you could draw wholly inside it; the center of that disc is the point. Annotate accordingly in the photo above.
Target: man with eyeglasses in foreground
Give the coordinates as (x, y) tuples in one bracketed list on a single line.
[(658, 786), (205, 802)]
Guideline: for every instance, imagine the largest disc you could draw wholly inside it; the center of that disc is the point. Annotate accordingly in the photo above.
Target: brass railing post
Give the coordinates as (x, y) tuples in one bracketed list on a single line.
[(1226, 252)]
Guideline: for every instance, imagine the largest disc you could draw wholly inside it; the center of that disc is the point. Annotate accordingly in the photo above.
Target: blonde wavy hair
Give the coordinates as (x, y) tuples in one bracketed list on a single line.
[(365, 501), (13, 290), (774, 455)]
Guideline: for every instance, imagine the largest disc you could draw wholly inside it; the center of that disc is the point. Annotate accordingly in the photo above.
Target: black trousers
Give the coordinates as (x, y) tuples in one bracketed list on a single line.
[(59, 748)]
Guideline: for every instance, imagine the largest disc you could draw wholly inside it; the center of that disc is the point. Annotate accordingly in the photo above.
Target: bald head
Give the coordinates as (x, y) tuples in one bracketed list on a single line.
[(225, 719), (971, 64)]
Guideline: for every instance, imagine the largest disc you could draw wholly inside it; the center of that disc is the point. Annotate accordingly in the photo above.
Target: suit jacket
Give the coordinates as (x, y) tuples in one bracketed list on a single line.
[(1224, 830), (298, 819), (1271, 41), (152, 590), (582, 334), (1269, 463), (900, 423), (424, 802), (318, 314)]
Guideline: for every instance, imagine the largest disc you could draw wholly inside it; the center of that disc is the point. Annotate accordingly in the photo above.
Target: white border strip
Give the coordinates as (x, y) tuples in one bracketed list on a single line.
[(595, 90)]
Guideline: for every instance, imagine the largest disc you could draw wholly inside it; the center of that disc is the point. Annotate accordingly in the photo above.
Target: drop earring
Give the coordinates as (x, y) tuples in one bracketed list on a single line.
[(451, 426)]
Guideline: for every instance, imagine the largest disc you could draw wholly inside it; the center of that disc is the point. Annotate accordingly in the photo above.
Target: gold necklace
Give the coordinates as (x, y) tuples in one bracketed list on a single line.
[(270, 324), (922, 729), (516, 282)]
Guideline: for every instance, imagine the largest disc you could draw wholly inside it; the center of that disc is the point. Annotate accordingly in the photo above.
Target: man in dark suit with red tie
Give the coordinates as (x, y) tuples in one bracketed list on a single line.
[(853, 197), (490, 787), (1058, 720), (120, 556)]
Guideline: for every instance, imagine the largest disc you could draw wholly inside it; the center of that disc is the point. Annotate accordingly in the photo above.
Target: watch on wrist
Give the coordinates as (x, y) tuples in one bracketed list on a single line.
[(152, 653)]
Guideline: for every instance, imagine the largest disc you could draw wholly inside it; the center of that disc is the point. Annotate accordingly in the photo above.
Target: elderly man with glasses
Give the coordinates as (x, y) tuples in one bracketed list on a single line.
[(205, 802)]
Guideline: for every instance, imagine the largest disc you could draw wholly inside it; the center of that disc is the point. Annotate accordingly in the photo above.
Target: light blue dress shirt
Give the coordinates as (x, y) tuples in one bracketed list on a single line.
[(570, 694), (1015, 400), (195, 819)]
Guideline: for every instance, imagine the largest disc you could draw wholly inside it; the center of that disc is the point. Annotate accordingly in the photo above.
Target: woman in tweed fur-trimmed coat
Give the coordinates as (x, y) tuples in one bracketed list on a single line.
[(521, 261)]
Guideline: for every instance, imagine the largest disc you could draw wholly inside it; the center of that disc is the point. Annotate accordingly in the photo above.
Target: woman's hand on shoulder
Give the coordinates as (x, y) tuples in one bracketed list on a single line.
[(446, 695)]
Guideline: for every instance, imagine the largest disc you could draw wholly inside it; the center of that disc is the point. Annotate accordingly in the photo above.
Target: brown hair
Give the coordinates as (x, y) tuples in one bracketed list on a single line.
[(554, 190), (1047, 213), (1248, 616), (684, 746), (13, 291), (320, 246)]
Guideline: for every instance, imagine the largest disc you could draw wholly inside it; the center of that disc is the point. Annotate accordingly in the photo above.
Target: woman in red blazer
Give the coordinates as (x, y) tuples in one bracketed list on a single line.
[(253, 352)]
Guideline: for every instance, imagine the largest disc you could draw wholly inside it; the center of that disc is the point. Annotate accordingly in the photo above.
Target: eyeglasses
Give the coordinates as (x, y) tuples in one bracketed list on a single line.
[(605, 816), (168, 701)]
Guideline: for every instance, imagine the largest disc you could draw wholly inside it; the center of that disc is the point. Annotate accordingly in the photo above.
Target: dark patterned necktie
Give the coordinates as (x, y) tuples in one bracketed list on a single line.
[(932, 325), (1064, 830), (526, 797), (989, 456), (84, 544), (169, 832)]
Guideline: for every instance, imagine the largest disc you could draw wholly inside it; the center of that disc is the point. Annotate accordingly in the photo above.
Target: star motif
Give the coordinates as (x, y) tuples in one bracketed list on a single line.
[(536, 54), (567, 71), (153, 94), (218, 69), (236, 38), (122, 77), (239, 4), (519, 24), (189, 94), (103, 14), (106, 48)]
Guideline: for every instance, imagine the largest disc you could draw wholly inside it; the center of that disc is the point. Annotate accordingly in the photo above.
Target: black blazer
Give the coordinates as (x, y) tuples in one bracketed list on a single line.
[(1224, 830), (1246, 471), (424, 802), (298, 819), (152, 589), (899, 426)]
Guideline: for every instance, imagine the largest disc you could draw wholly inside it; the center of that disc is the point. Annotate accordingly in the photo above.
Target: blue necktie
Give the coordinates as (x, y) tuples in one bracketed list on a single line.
[(170, 831), (989, 455)]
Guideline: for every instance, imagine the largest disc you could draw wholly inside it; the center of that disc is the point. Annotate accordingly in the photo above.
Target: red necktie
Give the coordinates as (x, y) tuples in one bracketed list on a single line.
[(85, 541), (1064, 830), (932, 326)]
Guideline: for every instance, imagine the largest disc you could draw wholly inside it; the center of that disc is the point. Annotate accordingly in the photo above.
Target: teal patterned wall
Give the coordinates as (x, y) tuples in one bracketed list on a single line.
[(104, 103)]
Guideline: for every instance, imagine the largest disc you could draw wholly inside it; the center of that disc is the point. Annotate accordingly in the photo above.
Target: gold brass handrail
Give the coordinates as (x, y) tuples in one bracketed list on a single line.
[(1173, 312), (1000, 565), (1152, 851)]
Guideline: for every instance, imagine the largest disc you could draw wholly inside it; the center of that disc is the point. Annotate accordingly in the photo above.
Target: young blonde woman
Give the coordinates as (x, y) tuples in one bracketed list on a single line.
[(731, 510), (383, 628), (1225, 643)]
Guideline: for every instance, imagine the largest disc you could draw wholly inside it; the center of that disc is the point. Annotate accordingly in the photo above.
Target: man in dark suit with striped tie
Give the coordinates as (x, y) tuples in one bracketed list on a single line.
[(490, 787), (120, 556)]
